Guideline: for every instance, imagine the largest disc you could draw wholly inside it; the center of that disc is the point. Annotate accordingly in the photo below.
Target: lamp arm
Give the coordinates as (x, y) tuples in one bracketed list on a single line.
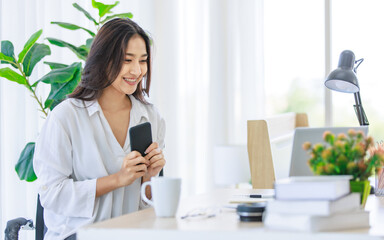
[(358, 62), (359, 110)]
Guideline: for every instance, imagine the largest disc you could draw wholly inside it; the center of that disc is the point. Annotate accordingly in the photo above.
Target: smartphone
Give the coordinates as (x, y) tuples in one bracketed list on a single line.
[(140, 137)]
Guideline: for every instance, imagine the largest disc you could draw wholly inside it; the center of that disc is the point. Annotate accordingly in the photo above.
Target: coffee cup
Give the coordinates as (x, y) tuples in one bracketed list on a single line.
[(165, 195)]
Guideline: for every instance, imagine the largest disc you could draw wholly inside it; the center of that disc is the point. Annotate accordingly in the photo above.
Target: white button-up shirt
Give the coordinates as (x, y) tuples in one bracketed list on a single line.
[(75, 147)]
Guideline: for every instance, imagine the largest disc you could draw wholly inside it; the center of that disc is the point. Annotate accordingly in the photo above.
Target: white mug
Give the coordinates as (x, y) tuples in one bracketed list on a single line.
[(165, 195)]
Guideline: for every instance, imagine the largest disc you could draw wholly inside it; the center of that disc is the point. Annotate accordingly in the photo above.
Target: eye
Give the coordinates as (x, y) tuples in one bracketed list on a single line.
[(128, 60), (143, 61)]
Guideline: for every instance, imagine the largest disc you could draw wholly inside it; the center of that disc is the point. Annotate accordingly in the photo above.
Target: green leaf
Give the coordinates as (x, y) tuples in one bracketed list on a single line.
[(13, 76), (80, 52), (28, 45), (61, 75), (59, 91), (85, 13), (120, 15), (5, 58), (37, 52), (89, 43), (24, 166), (54, 65), (7, 49), (103, 8), (73, 27)]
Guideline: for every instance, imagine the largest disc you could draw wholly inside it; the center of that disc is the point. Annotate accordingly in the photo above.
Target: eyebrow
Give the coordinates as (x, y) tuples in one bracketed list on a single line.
[(133, 55)]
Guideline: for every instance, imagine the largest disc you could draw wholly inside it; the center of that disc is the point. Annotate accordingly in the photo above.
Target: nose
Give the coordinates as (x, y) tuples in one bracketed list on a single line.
[(135, 69)]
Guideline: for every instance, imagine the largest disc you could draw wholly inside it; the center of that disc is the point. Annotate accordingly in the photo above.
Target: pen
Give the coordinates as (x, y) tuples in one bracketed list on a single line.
[(256, 196)]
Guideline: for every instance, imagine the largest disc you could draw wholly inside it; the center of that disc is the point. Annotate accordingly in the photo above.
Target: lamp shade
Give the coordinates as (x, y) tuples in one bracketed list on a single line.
[(344, 79)]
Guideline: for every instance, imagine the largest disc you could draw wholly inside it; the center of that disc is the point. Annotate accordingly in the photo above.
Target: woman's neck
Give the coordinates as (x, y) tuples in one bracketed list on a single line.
[(112, 101)]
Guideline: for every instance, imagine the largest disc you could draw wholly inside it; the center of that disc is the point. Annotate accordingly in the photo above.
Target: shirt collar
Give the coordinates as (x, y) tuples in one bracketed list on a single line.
[(138, 110), (91, 106)]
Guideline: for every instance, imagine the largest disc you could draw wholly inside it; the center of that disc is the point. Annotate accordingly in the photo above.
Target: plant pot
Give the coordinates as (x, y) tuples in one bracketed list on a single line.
[(362, 187)]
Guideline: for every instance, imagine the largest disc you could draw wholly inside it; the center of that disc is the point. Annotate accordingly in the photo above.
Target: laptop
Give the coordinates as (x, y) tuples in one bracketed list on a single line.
[(299, 157)]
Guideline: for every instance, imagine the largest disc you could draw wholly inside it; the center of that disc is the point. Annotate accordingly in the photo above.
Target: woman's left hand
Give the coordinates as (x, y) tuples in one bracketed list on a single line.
[(156, 160)]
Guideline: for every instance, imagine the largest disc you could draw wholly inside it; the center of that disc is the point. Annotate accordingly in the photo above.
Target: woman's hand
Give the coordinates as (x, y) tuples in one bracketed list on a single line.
[(156, 160), (134, 166)]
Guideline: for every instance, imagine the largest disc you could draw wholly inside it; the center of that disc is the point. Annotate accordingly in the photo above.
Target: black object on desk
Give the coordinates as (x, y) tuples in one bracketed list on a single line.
[(252, 212)]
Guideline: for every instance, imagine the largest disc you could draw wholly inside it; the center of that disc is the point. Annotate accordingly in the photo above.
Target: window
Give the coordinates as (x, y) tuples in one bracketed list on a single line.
[(294, 58), (358, 26)]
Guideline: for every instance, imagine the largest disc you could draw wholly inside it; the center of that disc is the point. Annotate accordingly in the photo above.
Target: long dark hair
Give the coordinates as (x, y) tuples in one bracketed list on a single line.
[(106, 58)]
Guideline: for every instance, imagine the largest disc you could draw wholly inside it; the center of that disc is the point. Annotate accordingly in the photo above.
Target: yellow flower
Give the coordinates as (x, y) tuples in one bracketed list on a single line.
[(329, 168), (351, 167), (340, 144), (328, 136), (351, 132), (341, 136), (307, 146), (359, 149), (326, 154)]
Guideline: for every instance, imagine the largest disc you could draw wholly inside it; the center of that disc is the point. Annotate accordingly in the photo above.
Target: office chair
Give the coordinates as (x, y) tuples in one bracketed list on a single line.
[(13, 226)]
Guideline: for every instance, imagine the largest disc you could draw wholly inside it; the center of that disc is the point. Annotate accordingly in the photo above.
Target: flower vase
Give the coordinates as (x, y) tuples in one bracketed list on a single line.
[(362, 187)]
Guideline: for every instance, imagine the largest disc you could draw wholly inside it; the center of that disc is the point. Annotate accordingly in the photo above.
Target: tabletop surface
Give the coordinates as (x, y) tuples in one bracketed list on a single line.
[(144, 223)]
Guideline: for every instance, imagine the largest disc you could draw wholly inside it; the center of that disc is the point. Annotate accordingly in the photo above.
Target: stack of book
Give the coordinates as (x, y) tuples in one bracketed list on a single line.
[(312, 204)]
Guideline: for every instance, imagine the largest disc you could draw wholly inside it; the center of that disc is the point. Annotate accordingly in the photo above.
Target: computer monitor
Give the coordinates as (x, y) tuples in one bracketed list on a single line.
[(299, 157)]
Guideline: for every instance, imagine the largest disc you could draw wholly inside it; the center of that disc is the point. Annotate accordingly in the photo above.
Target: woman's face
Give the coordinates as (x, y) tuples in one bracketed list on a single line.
[(134, 66)]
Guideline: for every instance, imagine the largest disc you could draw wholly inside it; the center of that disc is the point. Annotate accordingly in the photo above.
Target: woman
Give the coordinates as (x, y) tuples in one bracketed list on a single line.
[(85, 167)]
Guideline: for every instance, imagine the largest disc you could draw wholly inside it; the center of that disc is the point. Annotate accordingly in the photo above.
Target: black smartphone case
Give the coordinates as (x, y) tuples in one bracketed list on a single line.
[(140, 137)]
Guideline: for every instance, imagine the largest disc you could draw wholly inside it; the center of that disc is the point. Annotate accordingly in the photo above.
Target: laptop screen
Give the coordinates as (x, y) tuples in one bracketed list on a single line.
[(299, 157)]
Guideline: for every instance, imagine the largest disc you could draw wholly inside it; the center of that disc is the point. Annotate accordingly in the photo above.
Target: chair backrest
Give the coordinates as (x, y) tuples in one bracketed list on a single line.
[(269, 141), (41, 229)]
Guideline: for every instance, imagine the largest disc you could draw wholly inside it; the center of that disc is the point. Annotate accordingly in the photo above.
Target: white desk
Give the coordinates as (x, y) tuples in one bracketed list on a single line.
[(226, 225)]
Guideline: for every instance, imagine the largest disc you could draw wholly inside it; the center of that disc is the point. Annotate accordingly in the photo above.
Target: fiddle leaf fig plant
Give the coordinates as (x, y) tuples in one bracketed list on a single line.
[(62, 78), (62, 82)]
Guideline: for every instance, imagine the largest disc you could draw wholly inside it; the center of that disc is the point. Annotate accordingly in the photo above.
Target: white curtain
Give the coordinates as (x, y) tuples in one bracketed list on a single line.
[(207, 82)]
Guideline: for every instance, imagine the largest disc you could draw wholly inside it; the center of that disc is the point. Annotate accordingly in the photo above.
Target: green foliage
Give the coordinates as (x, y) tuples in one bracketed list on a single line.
[(103, 9), (353, 155), (12, 76), (62, 78), (35, 54), (81, 52), (24, 167), (63, 81), (7, 53), (28, 45)]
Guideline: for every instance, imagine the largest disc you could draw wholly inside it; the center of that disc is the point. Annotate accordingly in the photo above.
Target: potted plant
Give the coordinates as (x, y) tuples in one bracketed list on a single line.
[(351, 154)]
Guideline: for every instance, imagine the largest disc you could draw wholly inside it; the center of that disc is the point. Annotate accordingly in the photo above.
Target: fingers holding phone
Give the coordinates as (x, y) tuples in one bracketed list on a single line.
[(134, 166), (156, 159)]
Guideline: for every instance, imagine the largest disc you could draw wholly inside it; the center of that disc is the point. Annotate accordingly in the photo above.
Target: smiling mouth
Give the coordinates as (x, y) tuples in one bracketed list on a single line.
[(130, 80)]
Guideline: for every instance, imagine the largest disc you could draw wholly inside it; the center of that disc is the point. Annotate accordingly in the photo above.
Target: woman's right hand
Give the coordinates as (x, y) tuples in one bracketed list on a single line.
[(134, 166)]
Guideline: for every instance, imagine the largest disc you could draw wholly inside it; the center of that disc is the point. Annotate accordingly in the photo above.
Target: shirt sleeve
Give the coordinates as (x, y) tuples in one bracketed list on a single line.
[(53, 166)]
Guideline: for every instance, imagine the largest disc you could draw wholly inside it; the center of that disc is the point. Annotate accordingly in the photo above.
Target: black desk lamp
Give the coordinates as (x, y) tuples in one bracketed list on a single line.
[(344, 79)]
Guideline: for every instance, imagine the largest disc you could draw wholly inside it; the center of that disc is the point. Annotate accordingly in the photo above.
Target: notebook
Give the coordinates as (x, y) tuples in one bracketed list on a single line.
[(299, 157)]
